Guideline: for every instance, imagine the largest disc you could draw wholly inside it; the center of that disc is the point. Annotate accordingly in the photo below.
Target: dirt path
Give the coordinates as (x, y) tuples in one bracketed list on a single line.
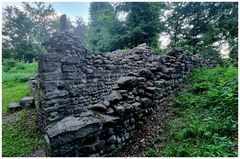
[(37, 152), (10, 117), (143, 139)]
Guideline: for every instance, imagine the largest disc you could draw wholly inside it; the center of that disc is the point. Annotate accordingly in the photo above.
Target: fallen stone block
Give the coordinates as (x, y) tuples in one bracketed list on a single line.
[(71, 124), (26, 102), (14, 107)]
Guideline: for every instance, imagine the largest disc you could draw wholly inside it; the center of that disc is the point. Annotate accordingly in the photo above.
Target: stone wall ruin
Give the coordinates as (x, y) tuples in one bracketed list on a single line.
[(91, 104)]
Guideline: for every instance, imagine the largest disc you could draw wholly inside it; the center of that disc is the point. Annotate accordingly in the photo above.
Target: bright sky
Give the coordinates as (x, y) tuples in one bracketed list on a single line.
[(71, 9)]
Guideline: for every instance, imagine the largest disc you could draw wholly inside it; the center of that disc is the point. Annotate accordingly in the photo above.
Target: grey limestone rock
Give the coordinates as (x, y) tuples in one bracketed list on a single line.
[(120, 109), (137, 105), (98, 61), (146, 73), (151, 89), (132, 74), (98, 107), (14, 106), (114, 97), (55, 94), (110, 119), (26, 101), (69, 124), (127, 81), (110, 111), (146, 102), (106, 103), (112, 139)]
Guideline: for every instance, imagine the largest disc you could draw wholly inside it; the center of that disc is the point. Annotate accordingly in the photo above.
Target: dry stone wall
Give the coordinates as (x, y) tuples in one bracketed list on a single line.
[(91, 104), (73, 78)]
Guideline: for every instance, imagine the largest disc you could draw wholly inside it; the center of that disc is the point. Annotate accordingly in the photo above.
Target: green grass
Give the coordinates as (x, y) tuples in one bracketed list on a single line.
[(15, 72), (13, 93), (20, 136), (205, 116), (16, 81), (152, 153)]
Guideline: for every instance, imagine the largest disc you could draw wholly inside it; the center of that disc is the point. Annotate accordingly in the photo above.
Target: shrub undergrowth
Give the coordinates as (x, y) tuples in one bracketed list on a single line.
[(15, 81), (20, 135), (17, 72), (204, 116)]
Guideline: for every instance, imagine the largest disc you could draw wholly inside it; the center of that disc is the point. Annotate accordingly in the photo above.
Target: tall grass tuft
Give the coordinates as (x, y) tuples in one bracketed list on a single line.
[(15, 79), (17, 71)]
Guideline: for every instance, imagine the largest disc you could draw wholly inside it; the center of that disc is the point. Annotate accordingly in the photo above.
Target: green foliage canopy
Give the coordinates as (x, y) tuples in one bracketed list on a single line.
[(25, 30), (203, 27), (108, 32)]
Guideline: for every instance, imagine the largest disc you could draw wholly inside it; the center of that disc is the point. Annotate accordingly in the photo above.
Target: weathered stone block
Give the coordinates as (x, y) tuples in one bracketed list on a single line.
[(98, 107), (146, 102), (26, 101), (14, 106), (68, 68), (114, 97), (70, 124), (128, 81), (146, 73)]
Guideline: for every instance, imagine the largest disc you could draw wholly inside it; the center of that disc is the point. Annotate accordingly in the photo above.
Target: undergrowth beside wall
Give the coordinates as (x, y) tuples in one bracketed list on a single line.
[(20, 136), (19, 133), (205, 117), (17, 71), (15, 80), (204, 121)]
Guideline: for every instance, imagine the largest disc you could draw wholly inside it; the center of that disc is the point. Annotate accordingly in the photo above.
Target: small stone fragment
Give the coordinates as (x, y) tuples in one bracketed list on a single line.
[(146, 102), (136, 105), (151, 89), (98, 107), (110, 111), (146, 73), (26, 102), (106, 103), (120, 109), (114, 97), (14, 106), (128, 81)]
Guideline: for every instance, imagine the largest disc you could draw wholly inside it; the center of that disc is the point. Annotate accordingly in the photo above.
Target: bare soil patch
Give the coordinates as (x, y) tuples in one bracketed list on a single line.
[(143, 140)]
